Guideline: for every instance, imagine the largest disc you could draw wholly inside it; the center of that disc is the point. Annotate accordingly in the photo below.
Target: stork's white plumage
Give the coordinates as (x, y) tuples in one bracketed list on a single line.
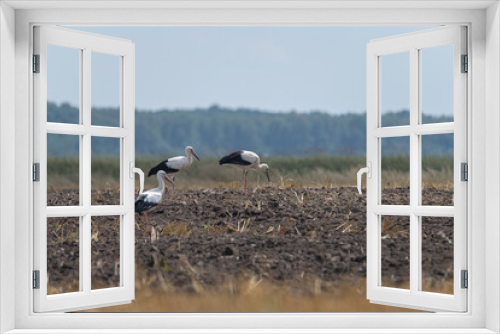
[(245, 160), (151, 198), (175, 165)]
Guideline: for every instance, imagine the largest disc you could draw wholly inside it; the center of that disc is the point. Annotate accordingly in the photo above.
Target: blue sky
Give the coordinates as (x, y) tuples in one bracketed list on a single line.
[(268, 68)]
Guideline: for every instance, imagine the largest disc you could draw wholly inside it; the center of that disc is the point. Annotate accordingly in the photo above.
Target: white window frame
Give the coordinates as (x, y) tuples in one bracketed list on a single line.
[(483, 125), (86, 44), (413, 44)]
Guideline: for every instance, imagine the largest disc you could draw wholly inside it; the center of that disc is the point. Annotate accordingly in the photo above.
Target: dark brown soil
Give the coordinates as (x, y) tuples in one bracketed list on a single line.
[(209, 237)]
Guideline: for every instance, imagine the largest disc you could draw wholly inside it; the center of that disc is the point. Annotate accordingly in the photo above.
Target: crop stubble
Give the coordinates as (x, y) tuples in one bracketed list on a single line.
[(305, 245)]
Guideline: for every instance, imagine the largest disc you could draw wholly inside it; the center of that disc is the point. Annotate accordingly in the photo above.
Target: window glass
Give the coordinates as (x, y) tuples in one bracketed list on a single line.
[(105, 89), (437, 254), (63, 170), (105, 171), (395, 234), (105, 252), (437, 169), (395, 89), (63, 255), (437, 84), (63, 84), (395, 176)]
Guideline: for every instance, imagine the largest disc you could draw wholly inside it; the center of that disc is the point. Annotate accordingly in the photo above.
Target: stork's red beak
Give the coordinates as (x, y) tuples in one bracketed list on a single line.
[(194, 153), (268, 178)]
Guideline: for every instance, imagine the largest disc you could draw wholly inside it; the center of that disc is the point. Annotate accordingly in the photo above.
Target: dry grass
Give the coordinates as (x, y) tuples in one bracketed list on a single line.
[(255, 294), (316, 179), (54, 290), (287, 172), (176, 228), (440, 179)]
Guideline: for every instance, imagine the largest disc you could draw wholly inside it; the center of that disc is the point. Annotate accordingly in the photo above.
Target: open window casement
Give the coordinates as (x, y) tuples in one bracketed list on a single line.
[(414, 46), (84, 213)]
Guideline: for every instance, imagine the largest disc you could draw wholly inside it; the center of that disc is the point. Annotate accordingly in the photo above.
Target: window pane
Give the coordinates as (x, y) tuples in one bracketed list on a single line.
[(63, 84), (437, 84), (105, 171), (395, 89), (395, 251), (105, 252), (437, 169), (437, 254), (63, 255), (105, 89), (63, 170), (395, 176)]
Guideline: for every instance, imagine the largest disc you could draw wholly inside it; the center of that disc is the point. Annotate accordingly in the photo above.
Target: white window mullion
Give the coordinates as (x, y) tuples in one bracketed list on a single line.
[(85, 153), (81, 130), (65, 211), (86, 255), (123, 220), (107, 131), (108, 210), (422, 211), (86, 179), (421, 129), (81, 229), (67, 129), (434, 129), (392, 210), (373, 121), (417, 276), (415, 185), (378, 253), (392, 131), (81, 263), (127, 114), (460, 155), (40, 156), (80, 211), (434, 211)]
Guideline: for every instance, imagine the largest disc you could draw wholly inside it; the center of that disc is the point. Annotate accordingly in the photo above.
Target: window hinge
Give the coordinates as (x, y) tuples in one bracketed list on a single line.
[(464, 167), (36, 63), (36, 279), (465, 279), (465, 64), (36, 172)]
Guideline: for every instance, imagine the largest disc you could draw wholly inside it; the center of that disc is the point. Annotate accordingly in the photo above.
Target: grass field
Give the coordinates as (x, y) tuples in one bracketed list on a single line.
[(320, 171)]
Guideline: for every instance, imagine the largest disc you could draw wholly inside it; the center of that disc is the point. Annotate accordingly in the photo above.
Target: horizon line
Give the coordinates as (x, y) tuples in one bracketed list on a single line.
[(253, 109)]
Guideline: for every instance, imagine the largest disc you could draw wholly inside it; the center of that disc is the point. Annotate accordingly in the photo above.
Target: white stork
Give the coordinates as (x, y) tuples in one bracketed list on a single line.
[(175, 165), (151, 198), (245, 160)]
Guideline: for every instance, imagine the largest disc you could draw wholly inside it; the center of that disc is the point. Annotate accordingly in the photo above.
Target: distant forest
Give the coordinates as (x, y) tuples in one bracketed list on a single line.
[(216, 130)]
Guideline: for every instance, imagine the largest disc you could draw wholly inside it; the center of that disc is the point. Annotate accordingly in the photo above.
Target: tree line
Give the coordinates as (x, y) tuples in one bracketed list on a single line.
[(217, 130)]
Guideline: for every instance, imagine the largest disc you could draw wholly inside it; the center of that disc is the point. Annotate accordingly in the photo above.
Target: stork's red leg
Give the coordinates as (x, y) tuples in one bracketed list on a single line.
[(245, 181), (148, 228), (173, 185)]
